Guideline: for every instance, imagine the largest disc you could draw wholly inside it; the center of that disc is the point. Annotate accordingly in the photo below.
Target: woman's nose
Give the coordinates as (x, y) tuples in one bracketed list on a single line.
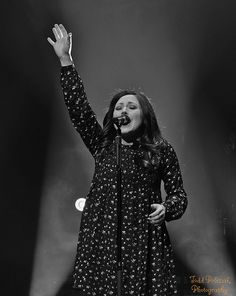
[(124, 110)]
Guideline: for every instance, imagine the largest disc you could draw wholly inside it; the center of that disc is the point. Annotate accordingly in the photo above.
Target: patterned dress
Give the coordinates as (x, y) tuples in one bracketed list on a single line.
[(147, 256)]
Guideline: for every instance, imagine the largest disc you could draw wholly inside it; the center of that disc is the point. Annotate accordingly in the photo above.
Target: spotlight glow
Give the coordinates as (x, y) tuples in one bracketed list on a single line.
[(80, 203)]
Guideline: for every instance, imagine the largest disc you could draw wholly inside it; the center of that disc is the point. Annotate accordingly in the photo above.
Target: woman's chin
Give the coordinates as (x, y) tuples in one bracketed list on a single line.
[(125, 130)]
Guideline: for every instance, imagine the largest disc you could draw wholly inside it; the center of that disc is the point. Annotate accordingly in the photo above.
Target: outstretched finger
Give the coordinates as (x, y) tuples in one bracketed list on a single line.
[(50, 41), (63, 30), (57, 36), (59, 32)]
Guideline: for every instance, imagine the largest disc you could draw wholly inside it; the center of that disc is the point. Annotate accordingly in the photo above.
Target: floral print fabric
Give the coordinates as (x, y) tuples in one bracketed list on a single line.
[(147, 256)]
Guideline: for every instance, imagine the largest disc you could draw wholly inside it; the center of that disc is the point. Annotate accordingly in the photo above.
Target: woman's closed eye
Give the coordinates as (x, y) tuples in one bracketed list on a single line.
[(132, 107)]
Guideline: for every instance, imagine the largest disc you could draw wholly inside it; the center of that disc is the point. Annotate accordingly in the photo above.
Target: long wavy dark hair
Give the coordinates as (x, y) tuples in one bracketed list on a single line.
[(150, 136)]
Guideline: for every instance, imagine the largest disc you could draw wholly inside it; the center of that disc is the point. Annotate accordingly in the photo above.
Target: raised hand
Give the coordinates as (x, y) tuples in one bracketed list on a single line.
[(63, 44)]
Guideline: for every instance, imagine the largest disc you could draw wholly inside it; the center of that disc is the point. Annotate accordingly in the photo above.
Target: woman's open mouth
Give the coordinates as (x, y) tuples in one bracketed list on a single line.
[(126, 123)]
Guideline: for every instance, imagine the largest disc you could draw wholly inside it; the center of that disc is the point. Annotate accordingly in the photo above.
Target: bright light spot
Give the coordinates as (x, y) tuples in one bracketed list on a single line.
[(80, 203)]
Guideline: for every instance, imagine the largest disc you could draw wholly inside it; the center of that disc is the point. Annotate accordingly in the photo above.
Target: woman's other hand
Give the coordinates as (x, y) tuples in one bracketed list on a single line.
[(63, 44), (158, 216)]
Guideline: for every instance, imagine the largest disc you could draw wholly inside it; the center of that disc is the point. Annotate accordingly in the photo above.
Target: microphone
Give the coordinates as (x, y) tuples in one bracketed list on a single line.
[(121, 120)]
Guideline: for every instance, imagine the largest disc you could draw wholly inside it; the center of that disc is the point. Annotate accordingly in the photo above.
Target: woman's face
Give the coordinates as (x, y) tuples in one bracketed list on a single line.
[(129, 105)]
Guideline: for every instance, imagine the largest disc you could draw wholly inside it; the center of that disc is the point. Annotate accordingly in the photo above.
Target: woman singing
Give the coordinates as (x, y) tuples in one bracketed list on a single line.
[(147, 159)]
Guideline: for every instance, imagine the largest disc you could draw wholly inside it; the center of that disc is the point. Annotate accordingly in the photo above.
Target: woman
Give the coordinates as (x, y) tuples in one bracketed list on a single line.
[(146, 160)]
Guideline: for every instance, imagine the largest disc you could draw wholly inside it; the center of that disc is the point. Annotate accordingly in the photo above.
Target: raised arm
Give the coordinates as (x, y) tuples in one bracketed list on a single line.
[(176, 199), (80, 111)]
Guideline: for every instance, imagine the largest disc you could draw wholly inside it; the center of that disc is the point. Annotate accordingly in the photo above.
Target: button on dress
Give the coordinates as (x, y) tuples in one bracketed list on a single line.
[(147, 255)]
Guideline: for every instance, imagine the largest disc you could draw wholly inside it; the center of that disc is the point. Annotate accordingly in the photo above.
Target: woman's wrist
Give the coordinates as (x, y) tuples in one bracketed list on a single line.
[(66, 60)]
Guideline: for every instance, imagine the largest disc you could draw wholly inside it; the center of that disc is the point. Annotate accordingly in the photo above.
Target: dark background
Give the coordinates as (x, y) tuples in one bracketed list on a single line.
[(182, 55)]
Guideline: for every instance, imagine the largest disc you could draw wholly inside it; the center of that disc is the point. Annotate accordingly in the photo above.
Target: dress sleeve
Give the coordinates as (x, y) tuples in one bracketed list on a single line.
[(81, 114), (176, 198)]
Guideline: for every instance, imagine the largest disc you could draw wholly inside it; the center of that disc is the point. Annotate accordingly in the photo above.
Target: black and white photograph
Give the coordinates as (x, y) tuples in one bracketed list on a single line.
[(118, 124)]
